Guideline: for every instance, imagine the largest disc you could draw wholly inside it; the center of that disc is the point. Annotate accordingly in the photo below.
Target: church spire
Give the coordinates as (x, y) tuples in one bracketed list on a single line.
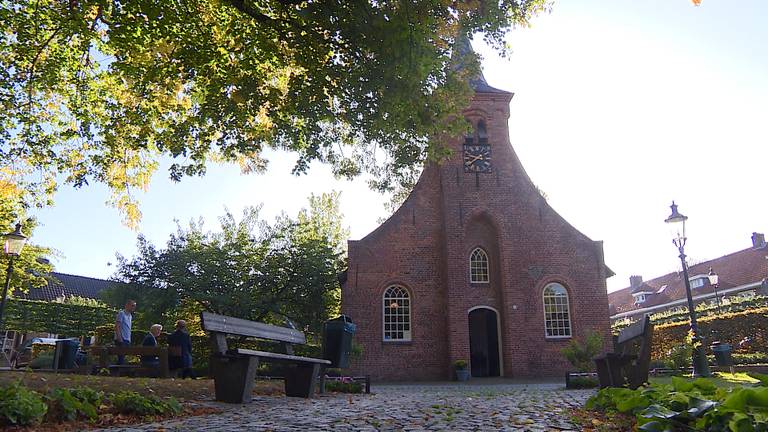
[(462, 50)]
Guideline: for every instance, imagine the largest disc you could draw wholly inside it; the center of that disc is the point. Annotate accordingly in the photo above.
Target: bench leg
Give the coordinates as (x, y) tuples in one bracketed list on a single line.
[(300, 380), (234, 377), (322, 380)]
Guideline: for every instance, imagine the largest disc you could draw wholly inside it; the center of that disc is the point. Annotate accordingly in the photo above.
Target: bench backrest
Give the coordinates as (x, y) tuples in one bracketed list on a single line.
[(636, 339), (237, 326)]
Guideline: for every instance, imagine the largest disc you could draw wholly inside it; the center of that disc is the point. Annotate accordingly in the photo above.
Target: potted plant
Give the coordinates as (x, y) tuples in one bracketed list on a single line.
[(580, 353), (462, 373)]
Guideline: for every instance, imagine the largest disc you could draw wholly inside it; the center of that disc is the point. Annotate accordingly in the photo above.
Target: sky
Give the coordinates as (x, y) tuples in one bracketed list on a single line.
[(620, 107)]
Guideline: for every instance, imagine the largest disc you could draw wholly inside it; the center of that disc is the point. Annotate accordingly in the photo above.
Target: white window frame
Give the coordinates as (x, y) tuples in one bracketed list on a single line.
[(480, 252), (697, 282), (404, 303), (544, 297)]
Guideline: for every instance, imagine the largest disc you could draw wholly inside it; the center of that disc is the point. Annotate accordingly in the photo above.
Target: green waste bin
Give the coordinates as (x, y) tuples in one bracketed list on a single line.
[(722, 354), (337, 341)]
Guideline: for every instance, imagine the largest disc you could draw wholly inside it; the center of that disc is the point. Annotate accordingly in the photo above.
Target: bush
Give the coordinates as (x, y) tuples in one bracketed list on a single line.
[(582, 382), (343, 386), (688, 405), (71, 404), (460, 364), (129, 402), (680, 357), (730, 328), (581, 352), (21, 406)]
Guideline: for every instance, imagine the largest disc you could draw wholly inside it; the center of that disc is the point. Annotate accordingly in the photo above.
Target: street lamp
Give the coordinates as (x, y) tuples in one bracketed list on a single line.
[(676, 222), (14, 243), (714, 280)]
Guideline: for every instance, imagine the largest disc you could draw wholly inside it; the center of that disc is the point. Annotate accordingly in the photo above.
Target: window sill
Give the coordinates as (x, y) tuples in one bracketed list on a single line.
[(388, 342)]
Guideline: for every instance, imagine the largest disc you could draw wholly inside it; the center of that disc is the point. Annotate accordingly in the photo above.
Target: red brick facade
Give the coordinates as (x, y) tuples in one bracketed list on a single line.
[(425, 247)]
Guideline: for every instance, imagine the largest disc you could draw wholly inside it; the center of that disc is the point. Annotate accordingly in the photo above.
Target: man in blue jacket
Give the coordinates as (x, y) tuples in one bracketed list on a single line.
[(180, 338)]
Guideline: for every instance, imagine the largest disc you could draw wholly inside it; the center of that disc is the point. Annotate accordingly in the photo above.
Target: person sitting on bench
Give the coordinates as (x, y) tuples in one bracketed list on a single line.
[(151, 340)]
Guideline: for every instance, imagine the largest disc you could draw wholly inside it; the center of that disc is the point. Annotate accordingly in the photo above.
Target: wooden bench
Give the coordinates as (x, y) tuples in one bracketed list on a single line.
[(234, 370), (162, 353), (629, 363)]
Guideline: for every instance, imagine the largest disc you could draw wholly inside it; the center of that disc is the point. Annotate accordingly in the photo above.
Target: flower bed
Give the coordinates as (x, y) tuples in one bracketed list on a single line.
[(681, 405)]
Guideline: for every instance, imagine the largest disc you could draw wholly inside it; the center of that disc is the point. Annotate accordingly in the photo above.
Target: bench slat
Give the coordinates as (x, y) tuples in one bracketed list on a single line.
[(635, 330), (237, 326), (279, 357)]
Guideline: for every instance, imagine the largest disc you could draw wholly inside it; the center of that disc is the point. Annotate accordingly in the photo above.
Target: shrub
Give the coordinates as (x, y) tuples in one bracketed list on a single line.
[(460, 364), (680, 356), (343, 387), (71, 404), (129, 402), (581, 352), (21, 406), (582, 382), (688, 405)]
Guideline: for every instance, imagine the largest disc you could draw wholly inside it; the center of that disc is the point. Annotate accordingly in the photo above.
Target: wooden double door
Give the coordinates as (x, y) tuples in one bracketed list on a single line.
[(484, 342)]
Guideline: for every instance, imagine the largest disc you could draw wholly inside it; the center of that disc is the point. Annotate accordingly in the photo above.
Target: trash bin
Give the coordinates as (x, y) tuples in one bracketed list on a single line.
[(67, 350), (337, 340), (722, 354)]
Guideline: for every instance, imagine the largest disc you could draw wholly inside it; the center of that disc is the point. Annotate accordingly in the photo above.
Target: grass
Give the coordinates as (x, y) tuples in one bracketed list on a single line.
[(184, 390), (720, 379)]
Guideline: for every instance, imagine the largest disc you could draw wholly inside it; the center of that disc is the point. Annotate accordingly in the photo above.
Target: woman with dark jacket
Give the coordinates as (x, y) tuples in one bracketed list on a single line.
[(180, 338)]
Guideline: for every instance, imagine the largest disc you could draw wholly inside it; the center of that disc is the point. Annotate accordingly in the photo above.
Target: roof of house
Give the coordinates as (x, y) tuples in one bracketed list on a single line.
[(66, 285), (736, 269)]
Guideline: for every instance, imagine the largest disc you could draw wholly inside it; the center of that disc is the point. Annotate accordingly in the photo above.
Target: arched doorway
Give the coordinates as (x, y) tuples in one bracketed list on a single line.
[(484, 342)]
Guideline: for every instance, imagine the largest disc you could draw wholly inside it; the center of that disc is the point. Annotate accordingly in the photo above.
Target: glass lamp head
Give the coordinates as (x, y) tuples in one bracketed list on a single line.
[(676, 223), (713, 277), (15, 241)]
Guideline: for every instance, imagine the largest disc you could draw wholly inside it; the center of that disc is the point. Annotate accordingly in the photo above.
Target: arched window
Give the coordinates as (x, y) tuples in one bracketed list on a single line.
[(478, 267), (557, 315), (482, 133), (397, 314)]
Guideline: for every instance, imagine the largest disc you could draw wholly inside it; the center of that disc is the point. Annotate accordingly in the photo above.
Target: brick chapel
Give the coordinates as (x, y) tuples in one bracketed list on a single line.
[(475, 266)]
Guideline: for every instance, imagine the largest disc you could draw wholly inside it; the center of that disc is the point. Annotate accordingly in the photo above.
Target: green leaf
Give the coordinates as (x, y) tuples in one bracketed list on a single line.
[(740, 422), (633, 403), (657, 426), (705, 385), (699, 406), (681, 384), (658, 411), (762, 377)]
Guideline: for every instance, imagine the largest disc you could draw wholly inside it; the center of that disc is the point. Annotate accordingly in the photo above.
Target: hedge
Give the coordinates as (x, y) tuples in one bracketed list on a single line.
[(729, 328), (707, 308), (57, 318)]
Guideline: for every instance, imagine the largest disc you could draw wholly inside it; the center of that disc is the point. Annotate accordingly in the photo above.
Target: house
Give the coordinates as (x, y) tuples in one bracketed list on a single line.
[(475, 265), (61, 285), (740, 273)]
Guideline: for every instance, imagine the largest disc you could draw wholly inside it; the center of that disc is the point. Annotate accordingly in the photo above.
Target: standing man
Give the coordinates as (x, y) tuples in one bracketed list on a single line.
[(123, 327), (180, 338)]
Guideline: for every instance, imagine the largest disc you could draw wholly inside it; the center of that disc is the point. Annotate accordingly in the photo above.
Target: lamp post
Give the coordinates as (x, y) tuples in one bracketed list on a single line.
[(714, 280), (676, 222), (14, 243)]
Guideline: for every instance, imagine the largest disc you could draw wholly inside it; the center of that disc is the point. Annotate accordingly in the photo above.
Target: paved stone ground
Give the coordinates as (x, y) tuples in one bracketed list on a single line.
[(453, 407)]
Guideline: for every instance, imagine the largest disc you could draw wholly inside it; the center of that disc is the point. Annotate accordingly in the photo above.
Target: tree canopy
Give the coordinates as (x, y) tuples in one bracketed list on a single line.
[(249, 269), (101, 90)]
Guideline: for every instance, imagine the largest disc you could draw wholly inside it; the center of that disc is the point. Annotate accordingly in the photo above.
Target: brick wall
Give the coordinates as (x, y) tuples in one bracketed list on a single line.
[(425, 246)]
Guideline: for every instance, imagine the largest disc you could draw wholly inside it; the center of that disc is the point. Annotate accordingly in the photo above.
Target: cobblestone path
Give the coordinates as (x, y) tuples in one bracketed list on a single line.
[(505, 407)]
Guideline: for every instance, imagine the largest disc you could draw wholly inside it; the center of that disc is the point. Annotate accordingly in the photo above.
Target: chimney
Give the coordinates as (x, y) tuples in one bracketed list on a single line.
[(758, 240), (635, 281)]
